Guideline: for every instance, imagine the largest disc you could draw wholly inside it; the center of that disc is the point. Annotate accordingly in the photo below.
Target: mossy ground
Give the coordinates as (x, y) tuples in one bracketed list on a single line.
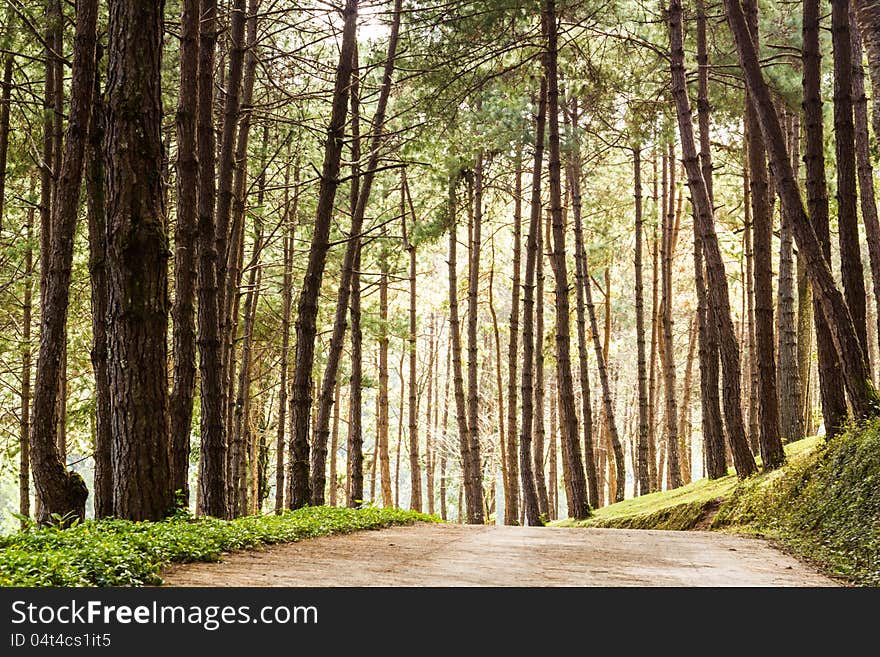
[(123, 553)]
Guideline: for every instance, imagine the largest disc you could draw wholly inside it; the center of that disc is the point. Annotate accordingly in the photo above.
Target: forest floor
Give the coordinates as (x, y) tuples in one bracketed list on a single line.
[(459, 555)]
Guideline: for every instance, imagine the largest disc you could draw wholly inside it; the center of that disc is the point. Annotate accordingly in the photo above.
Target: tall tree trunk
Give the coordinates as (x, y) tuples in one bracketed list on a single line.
[(533, 253), (666, 257), (862, 395), (684, 446), (97, 225), (578, 505), (352, 250), (845, 157), (444, 427), (334, 446), (643, 481), (399, 430), (415, 472), (805, 344), (307, 306), (707, 331), (652, 363), (455, 335), (5, 105), (762, 234), (831, 385), (790, 412), (511, 501), (553, 469), (539, 427), (60, 491), (382, 438), (180, 403), (863, 158), (573, 173), (719, 299), (212, 395), (499, 386), (867, 13), (584, 293), (290, 214), (474, 506), (137, 264), (24, 471)]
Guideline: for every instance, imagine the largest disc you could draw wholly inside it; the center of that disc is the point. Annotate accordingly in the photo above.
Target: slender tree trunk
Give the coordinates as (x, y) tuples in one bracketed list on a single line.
[(710, 404), (384, 461), (684, 447), (719, 299), (180, 403), (455, 335), (511, 506), (307, 306), (553, 469), (415, 500), (533, 253), (762, 232), (862, 396), (137, 264), (539, 426), (213, 448), (399, 430), (652, 363), (5, 105), (24, 471), (863, 158), (97, 224), (845, 157), (643, 481), (499, 386), (666, 257), (474, 506), (790, 405), (334, 446), (445, 426), (578, 505), (365, 183), (286, 303), (60, 491)]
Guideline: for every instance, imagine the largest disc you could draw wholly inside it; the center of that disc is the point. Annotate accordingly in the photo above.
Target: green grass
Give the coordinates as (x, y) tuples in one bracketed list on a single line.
[(123, 553), (824, 507), (680, 509)]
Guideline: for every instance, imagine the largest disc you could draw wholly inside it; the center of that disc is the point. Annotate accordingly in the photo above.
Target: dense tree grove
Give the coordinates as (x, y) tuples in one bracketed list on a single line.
[(499, 260)]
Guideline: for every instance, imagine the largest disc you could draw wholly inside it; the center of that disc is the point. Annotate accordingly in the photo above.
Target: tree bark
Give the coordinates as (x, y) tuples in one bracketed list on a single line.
[(529, 491), (540, 430), (307, 306), (845, 157), (24, 471), (831, 387), (415, 472), (578, 504), (862, 395), (384, 461), (60, 491), (511, 505), (290, 214), (5, 105), (137, 264), (474, 503), (365, 183), (183, 309), (863, 158), (212, 391), (643, 481), (97, 224), (790, 411), (719, 299)]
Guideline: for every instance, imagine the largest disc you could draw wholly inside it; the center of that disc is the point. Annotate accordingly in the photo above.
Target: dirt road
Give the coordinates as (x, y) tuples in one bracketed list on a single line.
[(456, 555)]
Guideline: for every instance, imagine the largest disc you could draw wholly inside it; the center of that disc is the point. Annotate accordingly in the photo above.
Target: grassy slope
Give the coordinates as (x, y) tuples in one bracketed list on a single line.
[(123, 553), (824, 505), (682, 508)]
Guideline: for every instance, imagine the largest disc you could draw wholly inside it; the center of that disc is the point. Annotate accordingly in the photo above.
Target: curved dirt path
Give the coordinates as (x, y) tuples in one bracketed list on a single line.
[(459, 555)]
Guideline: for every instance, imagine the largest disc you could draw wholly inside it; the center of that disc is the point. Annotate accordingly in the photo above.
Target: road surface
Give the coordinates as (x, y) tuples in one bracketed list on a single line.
[(458, 555)]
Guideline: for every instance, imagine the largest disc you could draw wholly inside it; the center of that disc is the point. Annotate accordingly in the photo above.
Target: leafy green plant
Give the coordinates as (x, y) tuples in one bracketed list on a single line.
[(114, 552)]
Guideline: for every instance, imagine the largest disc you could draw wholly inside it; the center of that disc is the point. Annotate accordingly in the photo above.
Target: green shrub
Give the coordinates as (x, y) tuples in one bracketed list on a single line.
[(122, 553)]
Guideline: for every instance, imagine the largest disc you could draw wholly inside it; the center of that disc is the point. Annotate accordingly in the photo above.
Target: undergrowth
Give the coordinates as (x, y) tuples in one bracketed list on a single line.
[(123, 553), (824, 507)]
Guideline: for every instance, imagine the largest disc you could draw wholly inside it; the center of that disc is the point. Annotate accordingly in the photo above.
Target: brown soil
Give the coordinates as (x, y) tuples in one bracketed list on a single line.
[(458, 555)]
